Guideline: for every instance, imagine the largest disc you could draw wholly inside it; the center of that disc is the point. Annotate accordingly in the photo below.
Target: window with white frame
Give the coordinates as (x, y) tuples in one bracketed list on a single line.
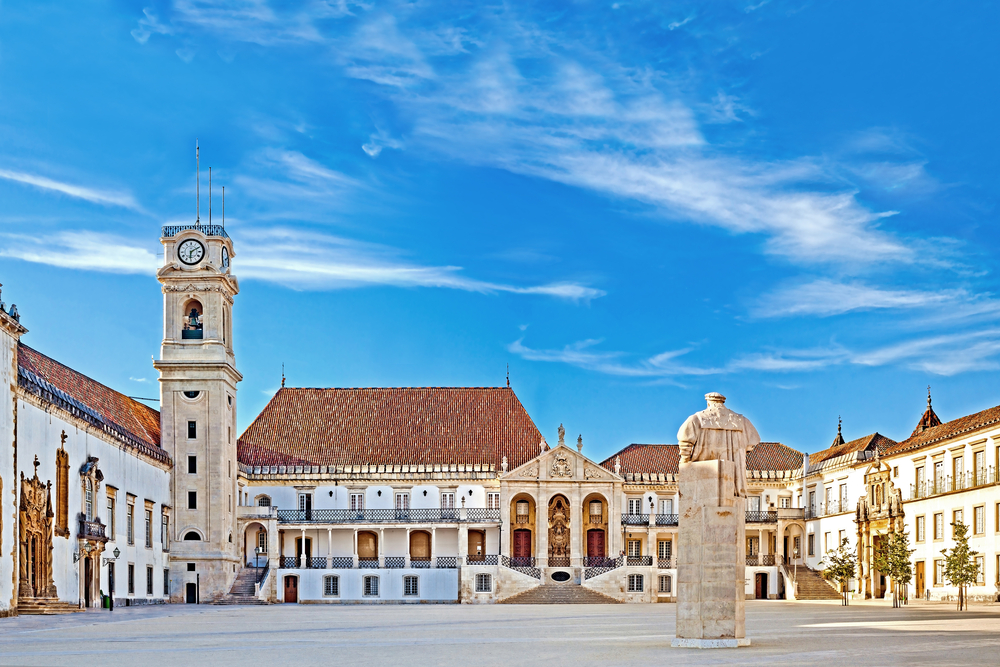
[(484, 583), (263, 501), (522, 507), (843, 498), (664, 549), (493, 500), (666, 506), (829, 499), (939, 526), (448, 501), (784, 502), (371, 586), (665, 583), (262, 541), (149, 530), (165, 531), (402, 501), (753, 503), (357, 502), (411, 586), (812, 543), (939, 573), (980, 569), (812, 501), (840, 538), (958, 516), (634, 548), (331, 586), (635, 505), (635, 583), (979, 520)]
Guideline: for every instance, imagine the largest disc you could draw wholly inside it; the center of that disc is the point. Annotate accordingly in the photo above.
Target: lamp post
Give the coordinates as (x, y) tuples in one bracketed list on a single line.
[(795, 577), (107, 561)]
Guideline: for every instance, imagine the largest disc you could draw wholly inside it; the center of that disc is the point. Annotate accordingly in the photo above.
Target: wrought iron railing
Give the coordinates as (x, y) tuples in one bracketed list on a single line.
[(762, 517), (664, 563), (635, 519), (524, 565), (595, 519), (384, 515), (486, 559), (758, 560), (92, 530), (447, 562), (826, 509), (207, 230), (595, 561), (666, 519), (395, 562), (318, 562), (420, 563), (607, 566), (368, 563), (522, 518), (949, 483), (559, 561), (342, 562), (640, 561), (289, 562)]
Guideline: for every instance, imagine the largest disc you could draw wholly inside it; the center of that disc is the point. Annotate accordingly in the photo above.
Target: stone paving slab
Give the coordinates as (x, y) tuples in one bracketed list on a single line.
[(797, 633)]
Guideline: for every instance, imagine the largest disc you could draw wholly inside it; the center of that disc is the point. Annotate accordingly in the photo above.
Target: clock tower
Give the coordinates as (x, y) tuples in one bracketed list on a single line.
[(198, 380)]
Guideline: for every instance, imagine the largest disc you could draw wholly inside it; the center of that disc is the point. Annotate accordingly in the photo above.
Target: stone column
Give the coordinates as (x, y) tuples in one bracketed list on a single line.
[(577, 546), (408, 531), (463, 542), (381, 547), (712, 558), (355, 547), (302, 556), (329, 547), (433, 546), (542, 530)]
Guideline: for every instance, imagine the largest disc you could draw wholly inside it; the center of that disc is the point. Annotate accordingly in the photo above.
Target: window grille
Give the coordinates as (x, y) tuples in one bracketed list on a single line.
[(90, 500), (149, 580), (522, 508), (667, 506), (402, 501), (664, 548), (979, 516), (331, 586), (634, 548), (635, 505), (635, 583), (484, 583), (665, 583), (357, 502), (939, 526), (447, 501), (371, 586), (262, 541), (493, 501), (149, 531), (410, 586), (263, 501)]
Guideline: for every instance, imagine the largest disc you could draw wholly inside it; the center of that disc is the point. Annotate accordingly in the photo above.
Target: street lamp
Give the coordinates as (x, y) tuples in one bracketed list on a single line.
[(795, 577), (117, 552), (257, 552)]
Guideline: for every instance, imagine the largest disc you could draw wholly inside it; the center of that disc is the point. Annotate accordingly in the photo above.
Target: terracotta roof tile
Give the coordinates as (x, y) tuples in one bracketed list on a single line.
[(379, 426), (664, 459), (867, 443), (955, 427), (95, 401)]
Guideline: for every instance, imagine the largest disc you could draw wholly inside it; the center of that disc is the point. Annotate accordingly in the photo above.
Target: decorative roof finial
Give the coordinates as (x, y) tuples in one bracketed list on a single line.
[(197, 183), (579, 443), (562, 436), (928, 396), (508, 376), (282, 375), (36, 465), (839, 422)]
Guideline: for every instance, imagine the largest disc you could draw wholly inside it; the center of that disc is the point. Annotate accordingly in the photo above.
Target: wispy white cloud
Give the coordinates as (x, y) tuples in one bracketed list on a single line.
[(379, 140), (826, 297), (149, 25), (94, 195), (583, 355), (89, 251), (679, 24), (138, 379)]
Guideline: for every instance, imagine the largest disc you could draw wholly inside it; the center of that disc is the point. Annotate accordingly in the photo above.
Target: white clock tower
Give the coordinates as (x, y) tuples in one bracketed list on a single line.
[(198, 380)]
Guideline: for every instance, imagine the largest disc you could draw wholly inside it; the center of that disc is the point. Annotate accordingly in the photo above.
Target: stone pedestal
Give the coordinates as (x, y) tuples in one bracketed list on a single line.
[(711, 555)]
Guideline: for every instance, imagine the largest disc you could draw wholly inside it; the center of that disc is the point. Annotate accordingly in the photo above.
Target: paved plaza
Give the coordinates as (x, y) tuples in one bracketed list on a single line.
[(795, 633)]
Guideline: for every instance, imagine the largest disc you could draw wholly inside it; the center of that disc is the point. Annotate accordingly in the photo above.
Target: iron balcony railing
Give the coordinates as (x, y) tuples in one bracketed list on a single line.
[(486, 559), (388, 562), (827, 509), (559, 561), (606, 565), (342, 563), (949, 483), (524, 565), (760, 559), (664, 563), (635, 519), (666, 519), (595, 561), (92, 530), (395, 562), (447, 562), (386, 516), (762, 517), (640, 561), (420, 563), (368, 563), (318, 562), (208, 230), (289, 562)]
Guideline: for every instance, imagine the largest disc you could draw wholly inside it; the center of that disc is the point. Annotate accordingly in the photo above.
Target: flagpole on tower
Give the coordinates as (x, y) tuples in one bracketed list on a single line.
[(197, 182)]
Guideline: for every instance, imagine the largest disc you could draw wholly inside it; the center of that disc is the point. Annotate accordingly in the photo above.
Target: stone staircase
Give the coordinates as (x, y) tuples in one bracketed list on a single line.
[(812, 586), (242, 591), (45, 607), (559, 594)]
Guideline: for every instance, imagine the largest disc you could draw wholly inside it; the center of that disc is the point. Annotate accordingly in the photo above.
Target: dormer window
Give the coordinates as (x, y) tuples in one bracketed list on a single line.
[(192, 321)]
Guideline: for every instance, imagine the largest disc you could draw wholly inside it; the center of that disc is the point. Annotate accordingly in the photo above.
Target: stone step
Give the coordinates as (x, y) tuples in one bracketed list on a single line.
[(44, 607), (560, 594), (812, 586)]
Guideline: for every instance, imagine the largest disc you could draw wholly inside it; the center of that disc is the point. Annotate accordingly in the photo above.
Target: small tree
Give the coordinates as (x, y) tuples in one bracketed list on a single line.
[(900, 566), (839, 566), (960, 568)]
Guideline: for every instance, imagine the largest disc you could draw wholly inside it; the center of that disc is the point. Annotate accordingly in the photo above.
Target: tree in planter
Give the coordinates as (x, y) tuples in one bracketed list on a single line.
[(960, 568), (839, 566)]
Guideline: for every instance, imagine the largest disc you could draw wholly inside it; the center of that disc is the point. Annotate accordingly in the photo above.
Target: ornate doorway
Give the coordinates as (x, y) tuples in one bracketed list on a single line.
[(35, 523), (559, 535), (595, 544), (522, 544)]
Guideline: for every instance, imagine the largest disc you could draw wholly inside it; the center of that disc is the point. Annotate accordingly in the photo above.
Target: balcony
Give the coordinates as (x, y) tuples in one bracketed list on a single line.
[(635, 519), (388, 562), (762, 517), (829, 509), (948, 484), (478, 515), (639, 561), (92, 530), (665, 563), (483, 559), (208, 230), (761, 560), (666, 519)]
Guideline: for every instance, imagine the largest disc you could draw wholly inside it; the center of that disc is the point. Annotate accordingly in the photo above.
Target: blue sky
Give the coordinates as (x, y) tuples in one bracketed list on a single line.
[(632, 204)]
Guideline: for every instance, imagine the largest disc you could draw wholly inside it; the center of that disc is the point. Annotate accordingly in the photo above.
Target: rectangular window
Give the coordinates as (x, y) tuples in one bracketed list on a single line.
[(190, 567), (149, 580), (192, 465), (634, 548), (840, 538), (843, 498), (357, 502), (165, 531), (826, 542), (784, 503), (166, 583), (939, 573), (664, 548), (130, 524), (111, 518), (493, 500), (192, 430), (812, 543), (920, 480), (667, 506), (920, 529), (448, 502), (753, 503), (664, 583), (192, 500), (797, 546), (979, 520), (812, 501), (635, 505), (895, 471), (131, 579), (956, 517), (635, 583), (979, 467), (484, 583), (753, 546), (331, 586), (939, 526), (958, 470), (402, 501), (410, 586), (829, 500), (149, 531), (980, 569), (371, 587), (938, 476)]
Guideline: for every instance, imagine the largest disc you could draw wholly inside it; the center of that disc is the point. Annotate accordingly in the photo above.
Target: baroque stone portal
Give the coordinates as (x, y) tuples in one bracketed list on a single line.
[(559, 532), (35, 522), (711, 551)]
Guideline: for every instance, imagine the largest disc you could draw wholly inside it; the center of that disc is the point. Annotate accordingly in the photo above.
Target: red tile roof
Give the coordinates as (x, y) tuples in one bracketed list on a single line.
[(955, 427), (664, 459), (388, 426), (90, 400), (866, 444)]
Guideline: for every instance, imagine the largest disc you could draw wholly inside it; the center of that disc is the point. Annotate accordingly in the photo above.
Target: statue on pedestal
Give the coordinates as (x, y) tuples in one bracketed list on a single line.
[(718, 433)]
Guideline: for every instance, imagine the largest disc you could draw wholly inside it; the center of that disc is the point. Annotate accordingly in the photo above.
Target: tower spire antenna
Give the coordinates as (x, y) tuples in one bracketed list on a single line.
[(197, 182), (928, 396), (209, 195), (223, 206), (282, 375), (508, 376)]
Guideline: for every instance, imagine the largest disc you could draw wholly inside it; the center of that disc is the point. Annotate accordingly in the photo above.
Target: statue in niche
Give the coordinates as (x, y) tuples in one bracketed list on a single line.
[(718, 433), (558, 530)]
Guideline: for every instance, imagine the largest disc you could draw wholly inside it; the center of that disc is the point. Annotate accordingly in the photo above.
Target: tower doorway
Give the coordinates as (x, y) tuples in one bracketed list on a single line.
[(88, 577)]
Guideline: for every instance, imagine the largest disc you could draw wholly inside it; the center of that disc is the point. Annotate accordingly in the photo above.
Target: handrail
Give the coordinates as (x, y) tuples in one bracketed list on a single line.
[(762, 517), (208, 230), (609, 565), (635, 519), (948, 483), (386, 515), (524, 565), (666, 519)]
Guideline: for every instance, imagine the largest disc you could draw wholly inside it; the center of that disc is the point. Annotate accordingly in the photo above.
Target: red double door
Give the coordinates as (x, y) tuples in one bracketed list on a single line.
[(595, 543), (522, 543)]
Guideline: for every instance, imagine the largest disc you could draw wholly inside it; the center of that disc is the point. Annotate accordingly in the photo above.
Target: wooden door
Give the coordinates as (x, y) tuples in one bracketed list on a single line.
[(595, 543), (920, 578), (522, 543), (291, 589), (88, 576), (420, 545), (760, 588), (477, 544)]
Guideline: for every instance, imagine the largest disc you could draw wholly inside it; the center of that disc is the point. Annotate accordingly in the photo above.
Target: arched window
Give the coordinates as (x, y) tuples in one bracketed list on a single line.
[(263, 501), (192, 320), (192, 536)]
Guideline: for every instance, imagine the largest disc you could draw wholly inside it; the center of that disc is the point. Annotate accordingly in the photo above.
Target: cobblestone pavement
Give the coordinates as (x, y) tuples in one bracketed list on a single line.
[(796, 633)]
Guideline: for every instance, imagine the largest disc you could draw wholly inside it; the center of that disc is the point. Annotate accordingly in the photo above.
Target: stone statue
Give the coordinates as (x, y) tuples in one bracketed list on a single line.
[(562, 435), (718, 433), (579, 443)]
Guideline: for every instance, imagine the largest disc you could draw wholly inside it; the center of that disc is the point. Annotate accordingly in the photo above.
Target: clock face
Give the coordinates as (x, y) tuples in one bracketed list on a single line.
[(225, 258), (191, 251)]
